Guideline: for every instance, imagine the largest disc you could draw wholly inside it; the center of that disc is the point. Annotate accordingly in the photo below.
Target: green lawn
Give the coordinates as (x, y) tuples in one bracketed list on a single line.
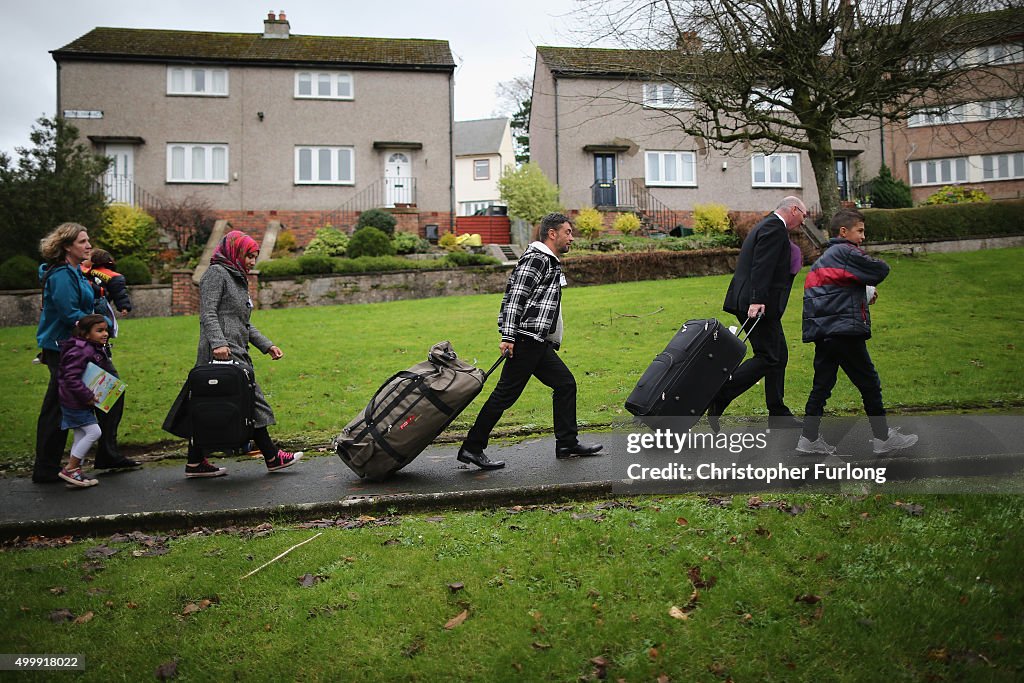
[(947, 333), (810, 588)]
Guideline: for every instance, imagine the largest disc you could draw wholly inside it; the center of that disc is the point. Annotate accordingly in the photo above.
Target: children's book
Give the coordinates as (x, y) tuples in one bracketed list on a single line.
[(106, 387)]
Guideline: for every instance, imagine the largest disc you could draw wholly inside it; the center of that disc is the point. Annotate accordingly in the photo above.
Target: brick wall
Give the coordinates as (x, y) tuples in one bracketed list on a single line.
[(184, 293)]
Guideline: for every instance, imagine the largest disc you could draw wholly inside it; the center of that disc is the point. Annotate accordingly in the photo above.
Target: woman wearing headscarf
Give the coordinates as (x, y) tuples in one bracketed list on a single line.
[(225, 333)]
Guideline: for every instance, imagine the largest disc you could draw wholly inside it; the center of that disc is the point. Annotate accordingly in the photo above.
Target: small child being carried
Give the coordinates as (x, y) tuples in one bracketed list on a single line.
[(87, 345)]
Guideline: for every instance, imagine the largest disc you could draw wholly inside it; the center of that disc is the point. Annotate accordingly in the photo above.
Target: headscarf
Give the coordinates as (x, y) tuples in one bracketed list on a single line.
[(232, 250)]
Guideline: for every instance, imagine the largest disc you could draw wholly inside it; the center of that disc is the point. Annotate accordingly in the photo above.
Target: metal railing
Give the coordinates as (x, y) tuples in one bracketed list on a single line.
[(122, 189), (631, 194), (385, 192)]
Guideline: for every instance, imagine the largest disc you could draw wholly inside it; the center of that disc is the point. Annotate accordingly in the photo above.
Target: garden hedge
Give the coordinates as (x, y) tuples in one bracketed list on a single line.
[(945, 222)]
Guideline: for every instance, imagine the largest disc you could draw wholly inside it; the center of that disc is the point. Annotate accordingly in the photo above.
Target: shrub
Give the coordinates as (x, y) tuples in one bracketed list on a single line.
[(286, 243), (189, 221), (589, 222), (710, 219), (408, 243), (528, 193), (370, 241), (126, 230), (889, 193), (627, 223), (449, 242), (280, 267), (329, 241), (377, 218), (19, 272), (135, 271), (457, 258), (954, 221), (956, 194), (314, 264)]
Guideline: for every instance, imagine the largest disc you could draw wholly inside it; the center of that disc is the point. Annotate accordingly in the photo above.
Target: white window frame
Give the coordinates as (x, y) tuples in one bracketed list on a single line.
[(957, 113), (188, 80), (334, 79), (1002, 53), (666, 96), (1012, 108), (947, 171), (486, 175), (681, 163), (766, 163), (332, 154), (186, 170), (993, 165), (766, 100)]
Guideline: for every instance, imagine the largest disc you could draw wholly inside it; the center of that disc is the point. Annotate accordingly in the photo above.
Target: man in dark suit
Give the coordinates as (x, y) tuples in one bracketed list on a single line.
[(760, 288)]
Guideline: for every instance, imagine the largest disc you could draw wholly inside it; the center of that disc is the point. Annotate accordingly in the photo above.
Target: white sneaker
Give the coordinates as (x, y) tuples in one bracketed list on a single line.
[(819, 445), (896, 441)]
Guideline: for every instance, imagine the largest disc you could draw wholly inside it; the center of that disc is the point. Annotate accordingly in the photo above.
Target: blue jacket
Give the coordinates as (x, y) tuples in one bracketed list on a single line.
[(835, 294), (67, 298)]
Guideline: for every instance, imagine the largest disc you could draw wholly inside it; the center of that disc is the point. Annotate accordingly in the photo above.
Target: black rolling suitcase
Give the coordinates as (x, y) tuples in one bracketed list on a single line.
[(408, 412), (681, 381), (221, 405)]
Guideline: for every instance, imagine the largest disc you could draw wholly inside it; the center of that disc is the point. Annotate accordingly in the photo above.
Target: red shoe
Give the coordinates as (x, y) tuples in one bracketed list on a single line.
[(283, 460)]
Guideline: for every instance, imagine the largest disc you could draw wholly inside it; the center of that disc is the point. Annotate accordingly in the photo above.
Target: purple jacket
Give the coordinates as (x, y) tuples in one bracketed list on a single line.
[(75, 354)]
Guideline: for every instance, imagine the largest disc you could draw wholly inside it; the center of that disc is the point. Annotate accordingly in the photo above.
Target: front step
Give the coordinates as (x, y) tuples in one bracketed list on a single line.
[(507, 253)]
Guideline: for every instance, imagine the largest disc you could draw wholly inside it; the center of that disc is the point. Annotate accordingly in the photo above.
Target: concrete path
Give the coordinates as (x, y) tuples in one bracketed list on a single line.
[(158, 496)]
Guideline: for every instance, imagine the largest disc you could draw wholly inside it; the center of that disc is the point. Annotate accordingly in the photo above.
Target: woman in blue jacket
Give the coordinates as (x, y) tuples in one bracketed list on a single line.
[(67, 298)]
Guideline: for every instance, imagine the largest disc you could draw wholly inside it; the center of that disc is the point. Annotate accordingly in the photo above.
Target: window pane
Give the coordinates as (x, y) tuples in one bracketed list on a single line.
[(653, 175), (345, 165), (323, 85), (987, 167), (961, 170), (177, 80), (306, 164), (178, 163), (930, 171), (671, 170), (323, 164), (305, 84), (791, 161), (776, 169), (915, 173), (198, 80), (344, 86), (688, 168), (758, 163), (198, 163), (1018, 165), (220, 82), (220, 163), (1004, 166)]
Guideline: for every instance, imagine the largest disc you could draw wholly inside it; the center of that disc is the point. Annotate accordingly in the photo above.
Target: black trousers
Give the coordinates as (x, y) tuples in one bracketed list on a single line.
[(107, 451), (850, 354), (771, 354), (51, 440), (531, 358)]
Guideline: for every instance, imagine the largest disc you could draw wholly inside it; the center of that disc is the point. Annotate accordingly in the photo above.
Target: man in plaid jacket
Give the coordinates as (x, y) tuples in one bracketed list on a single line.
[(530, 323)]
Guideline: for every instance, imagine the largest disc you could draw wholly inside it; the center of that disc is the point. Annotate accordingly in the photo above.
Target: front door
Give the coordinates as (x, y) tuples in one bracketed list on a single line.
[(604, 180), (843, 178), (119, 180), (398, 179)]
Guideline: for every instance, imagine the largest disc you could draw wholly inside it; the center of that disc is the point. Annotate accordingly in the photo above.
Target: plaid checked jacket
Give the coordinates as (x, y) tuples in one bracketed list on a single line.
[(532, 298)]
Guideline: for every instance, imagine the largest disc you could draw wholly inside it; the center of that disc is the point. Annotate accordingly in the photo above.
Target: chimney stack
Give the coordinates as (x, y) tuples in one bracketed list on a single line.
[(276, 27), (688, 41)]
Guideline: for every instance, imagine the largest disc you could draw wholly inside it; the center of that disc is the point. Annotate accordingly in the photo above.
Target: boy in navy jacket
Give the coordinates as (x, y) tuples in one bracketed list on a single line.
[(837, 292)]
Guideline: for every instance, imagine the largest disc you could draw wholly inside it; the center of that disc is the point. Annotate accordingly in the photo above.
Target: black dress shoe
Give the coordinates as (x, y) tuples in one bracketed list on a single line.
[(45, 478), (123, 463), (577, 451), (784, 422), (479, 459)]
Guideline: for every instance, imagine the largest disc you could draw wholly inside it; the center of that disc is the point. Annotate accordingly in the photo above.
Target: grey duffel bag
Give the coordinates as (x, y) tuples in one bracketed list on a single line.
[(408, 412)]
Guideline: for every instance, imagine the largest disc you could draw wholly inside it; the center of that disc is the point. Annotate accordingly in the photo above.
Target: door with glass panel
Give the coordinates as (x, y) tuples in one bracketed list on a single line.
[(119, 178), (398, 179)]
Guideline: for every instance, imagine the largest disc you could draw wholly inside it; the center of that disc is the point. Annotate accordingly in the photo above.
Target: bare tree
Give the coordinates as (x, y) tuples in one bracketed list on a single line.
[(802, 74), (515, 98)]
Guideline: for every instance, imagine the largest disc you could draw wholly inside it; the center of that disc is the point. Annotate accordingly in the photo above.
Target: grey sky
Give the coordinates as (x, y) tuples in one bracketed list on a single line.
[(492, 41)]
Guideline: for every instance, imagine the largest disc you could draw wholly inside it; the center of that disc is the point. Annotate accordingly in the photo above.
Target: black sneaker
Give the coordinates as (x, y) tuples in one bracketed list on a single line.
[(204, 469)]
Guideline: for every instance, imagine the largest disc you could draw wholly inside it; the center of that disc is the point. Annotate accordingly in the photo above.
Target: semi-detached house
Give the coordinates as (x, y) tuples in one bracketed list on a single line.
[(302, 129)]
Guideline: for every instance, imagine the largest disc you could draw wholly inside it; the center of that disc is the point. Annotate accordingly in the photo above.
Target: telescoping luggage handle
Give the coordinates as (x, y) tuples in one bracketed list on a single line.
[(747, 332), (495, 366)]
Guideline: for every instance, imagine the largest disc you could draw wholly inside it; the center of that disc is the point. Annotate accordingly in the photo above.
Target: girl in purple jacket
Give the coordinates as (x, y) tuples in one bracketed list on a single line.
[(88, 344)]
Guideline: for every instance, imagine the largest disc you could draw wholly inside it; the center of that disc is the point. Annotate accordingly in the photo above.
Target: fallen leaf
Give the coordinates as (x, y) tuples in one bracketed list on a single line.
[(540, 646), (681, 521), (912, 509), (413, 648), (663, 678), (391, 541), (108, 603), (59, 615), (434, 520), (677, 613), (808, 598), (193, 607), (58, 590), (310, 580), (100, 551), (455, 587), (652, 653), (85, 618), (131, 605), (698, 581), (761, 531), (456, 620), (167, 670)]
